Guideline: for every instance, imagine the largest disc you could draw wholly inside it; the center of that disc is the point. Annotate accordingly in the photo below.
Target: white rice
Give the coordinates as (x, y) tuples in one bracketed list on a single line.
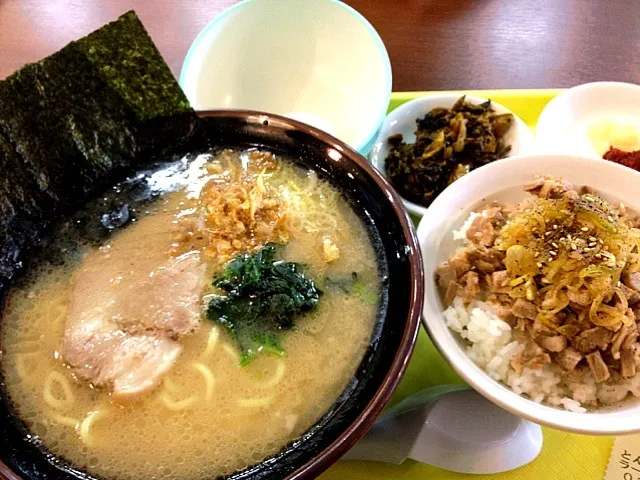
[(461, 234), (492, 347)]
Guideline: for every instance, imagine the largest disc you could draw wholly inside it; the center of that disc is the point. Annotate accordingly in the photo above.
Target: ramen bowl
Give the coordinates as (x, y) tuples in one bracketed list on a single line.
[(396, 327)]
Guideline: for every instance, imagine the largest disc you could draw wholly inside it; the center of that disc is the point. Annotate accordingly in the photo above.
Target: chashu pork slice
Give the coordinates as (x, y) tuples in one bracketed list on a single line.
[(130, 304)]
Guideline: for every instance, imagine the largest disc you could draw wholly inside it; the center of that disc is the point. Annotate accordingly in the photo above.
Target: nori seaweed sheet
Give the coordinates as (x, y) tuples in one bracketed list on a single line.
[(20, 207), (70, 122), (121, 53)]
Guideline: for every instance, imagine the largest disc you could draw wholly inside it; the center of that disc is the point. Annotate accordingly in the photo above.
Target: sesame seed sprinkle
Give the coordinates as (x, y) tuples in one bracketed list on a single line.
[(585, 229), (550, 259), (539, 265), (555, 227), (552, 252), (592, 239), (555, 245)]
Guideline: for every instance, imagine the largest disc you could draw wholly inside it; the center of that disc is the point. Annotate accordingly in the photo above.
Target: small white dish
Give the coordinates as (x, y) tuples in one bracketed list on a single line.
[(503, 181), (563, 125), (403, 120), (317, 61)]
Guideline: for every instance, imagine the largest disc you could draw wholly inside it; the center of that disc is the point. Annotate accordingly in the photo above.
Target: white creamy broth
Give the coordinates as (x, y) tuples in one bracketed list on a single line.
[(208, 416)]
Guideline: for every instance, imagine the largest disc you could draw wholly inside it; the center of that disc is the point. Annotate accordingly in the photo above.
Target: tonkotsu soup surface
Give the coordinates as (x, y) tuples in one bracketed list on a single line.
[(207, 415)]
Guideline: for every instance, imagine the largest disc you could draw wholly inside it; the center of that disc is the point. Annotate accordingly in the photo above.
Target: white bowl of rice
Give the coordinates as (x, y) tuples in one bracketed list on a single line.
[(476, 341)]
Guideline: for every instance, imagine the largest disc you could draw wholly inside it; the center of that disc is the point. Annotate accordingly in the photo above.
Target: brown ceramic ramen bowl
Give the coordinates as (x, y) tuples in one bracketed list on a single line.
[(400, 265)]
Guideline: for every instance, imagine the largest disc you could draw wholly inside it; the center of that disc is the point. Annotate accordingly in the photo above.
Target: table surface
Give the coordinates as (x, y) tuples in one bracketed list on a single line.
[(433, 44)]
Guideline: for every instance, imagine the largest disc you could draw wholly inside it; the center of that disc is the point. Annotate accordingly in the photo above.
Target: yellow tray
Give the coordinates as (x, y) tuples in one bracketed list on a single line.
[(564, 455)]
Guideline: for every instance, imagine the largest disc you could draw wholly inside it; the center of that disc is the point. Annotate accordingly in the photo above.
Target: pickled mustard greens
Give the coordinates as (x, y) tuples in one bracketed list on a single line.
[(449, 143)]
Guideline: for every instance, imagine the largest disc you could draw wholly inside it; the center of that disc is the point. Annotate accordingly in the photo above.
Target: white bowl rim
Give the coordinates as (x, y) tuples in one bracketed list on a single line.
[(446, 97), (549, 108), (591, 423), (587, 86), (363, 145)]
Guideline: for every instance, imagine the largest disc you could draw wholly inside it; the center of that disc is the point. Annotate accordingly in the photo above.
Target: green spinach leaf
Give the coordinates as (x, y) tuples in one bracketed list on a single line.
[(263, 297), (351, 285)]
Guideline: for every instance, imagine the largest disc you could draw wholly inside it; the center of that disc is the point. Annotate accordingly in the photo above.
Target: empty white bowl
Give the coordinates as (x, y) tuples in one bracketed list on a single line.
[(403, 120), (318, 61), (503, 181), (563, 124)]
